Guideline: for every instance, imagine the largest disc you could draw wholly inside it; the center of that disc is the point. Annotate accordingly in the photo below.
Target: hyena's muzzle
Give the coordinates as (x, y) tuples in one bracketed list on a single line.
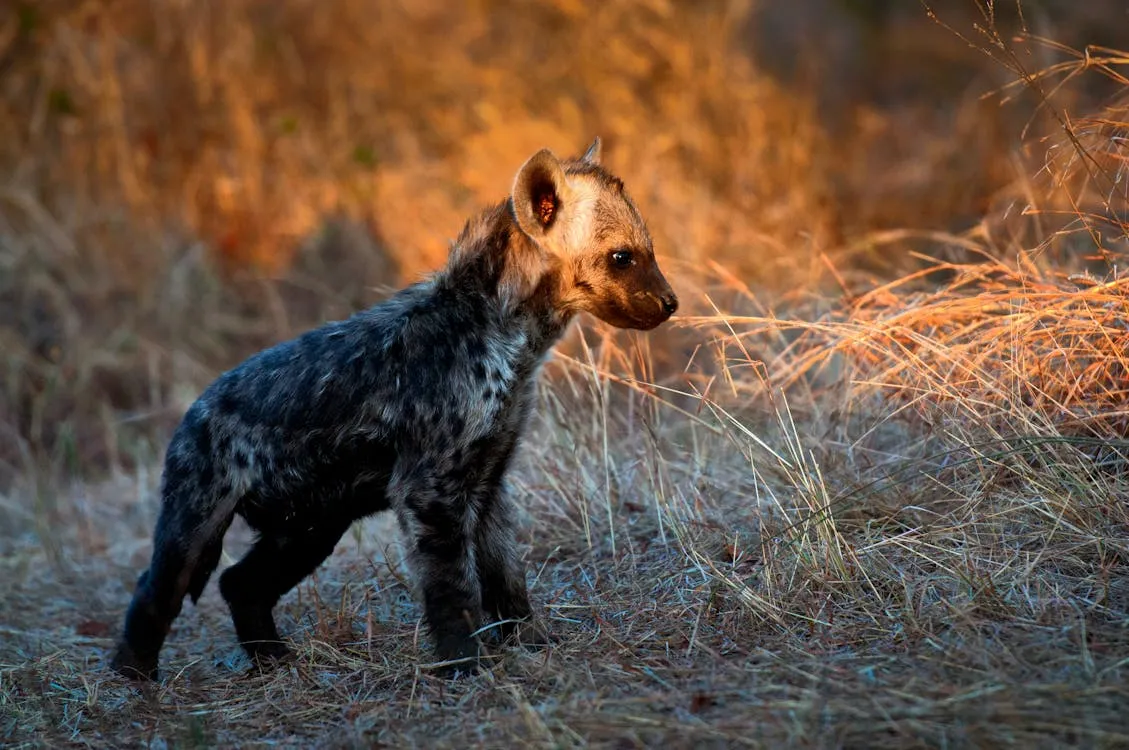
[(658, 301), (635, 294)]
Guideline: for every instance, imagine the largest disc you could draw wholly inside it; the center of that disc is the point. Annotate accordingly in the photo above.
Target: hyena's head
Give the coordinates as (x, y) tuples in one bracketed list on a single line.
[(597, 245)]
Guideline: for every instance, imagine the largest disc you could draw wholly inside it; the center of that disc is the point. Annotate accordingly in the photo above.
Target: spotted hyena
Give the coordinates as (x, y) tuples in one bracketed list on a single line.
[(414, 405)]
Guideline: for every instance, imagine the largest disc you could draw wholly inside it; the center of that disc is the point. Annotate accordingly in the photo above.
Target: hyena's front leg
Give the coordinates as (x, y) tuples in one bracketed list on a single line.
[(438, 527), (501, 572)]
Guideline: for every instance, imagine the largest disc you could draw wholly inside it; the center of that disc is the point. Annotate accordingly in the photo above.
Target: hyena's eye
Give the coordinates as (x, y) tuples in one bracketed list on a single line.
[(622, 258)]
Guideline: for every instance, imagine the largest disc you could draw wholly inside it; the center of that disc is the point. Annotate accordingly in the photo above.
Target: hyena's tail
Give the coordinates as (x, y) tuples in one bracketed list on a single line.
[(207, 560), (187, 545)]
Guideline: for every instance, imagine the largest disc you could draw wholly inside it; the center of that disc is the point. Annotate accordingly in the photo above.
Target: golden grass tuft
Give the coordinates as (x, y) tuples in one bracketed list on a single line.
[(1016, 348)]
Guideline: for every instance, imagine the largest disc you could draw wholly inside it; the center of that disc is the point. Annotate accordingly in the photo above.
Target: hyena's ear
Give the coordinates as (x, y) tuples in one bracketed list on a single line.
[(592, 155), (540, 189)]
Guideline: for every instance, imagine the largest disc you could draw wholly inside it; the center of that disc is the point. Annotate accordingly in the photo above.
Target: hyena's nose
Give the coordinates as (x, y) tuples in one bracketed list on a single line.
[(670, 303)]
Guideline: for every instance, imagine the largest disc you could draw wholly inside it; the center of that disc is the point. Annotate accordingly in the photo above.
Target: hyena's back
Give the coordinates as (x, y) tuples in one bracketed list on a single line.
[(309, 428), (291, 433)]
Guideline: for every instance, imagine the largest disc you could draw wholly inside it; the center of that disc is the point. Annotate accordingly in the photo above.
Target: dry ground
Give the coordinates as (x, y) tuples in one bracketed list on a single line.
[(868, 489)]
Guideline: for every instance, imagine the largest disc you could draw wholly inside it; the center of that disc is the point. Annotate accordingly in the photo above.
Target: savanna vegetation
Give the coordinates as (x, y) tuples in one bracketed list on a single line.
[(867, 489)]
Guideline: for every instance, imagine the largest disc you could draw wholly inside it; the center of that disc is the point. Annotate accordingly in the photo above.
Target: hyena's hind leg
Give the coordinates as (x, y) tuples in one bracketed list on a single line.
[(186, 549), (501, 572), (274, 565)]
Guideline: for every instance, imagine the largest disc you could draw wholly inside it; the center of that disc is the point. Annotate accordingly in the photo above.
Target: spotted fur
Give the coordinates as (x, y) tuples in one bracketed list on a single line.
[(415, 405)]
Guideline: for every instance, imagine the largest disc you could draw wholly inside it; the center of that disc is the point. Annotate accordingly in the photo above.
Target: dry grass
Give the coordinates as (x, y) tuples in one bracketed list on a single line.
[(891, 516)]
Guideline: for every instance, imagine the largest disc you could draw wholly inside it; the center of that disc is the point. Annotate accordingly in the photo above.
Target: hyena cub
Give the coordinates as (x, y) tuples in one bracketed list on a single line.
[(414, 405)]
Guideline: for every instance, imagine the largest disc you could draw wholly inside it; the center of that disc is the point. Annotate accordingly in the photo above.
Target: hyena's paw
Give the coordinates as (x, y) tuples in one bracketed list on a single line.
[(128, 664), (458, 656), (268, 654)]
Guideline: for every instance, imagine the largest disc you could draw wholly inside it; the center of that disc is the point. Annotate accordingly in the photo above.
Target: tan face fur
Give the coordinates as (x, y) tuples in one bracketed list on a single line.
[(593, 240)]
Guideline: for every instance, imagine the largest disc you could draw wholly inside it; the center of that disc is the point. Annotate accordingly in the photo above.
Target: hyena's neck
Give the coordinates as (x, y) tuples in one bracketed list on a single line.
[(493, 258)]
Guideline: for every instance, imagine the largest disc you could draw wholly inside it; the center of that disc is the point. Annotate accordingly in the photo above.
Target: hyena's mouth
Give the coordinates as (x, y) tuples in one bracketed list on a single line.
[(657, 310), (654, 323), (631, 318), (645, 322)]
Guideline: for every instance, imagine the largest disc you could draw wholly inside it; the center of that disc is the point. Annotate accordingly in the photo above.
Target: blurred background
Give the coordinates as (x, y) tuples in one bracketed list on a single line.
[(184, 182)]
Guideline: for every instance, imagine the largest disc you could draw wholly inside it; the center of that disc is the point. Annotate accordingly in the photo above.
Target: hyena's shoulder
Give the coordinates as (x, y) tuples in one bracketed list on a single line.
[(453, 365)]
